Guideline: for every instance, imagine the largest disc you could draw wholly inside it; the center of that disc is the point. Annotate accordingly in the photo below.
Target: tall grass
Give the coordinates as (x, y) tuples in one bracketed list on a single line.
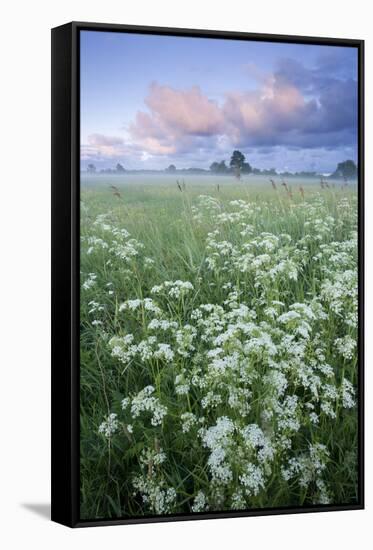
[(218, 348)]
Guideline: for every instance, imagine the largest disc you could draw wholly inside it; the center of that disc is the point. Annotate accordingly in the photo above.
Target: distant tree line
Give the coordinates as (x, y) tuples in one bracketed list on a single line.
[(238, 166), (119, 169)]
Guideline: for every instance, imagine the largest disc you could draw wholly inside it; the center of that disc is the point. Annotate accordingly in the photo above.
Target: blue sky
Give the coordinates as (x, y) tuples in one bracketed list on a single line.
[(148, 101)]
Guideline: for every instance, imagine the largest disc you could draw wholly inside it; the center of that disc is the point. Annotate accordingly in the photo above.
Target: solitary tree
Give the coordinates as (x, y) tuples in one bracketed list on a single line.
[(119, 168), (91, 168), (346, 169), (237, 162), (171, 168)]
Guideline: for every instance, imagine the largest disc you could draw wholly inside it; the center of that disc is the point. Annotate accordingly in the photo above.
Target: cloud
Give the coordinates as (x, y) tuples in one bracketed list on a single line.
[(267, 116), (176, 120), (296, 106), (293, 106), (101, 147), (184, 111), (100, 140)]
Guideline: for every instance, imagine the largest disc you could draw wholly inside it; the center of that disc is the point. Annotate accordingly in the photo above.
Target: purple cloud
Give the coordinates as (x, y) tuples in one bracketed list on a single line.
[(294, 106)]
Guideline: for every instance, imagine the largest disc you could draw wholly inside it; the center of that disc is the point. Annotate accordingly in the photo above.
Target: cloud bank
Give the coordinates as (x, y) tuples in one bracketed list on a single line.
[(292, 107)]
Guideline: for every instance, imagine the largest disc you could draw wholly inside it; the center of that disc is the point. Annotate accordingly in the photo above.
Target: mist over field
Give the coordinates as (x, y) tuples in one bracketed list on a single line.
[(261, 183)]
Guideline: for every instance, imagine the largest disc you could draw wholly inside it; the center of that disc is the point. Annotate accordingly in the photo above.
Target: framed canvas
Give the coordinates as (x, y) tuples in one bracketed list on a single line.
[(207, 274)]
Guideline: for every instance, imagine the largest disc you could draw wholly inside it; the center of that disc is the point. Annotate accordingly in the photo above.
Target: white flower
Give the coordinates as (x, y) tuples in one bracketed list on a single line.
[(252, 479), (165, 352), (90, 282), (188, 420), (182, 386), (238, 501), (346, 346), (162, 324), (109, 426), (200, 502), (348, 394), (148, 304), (174, 289), (125, 402), (160, 498), (145, 401)]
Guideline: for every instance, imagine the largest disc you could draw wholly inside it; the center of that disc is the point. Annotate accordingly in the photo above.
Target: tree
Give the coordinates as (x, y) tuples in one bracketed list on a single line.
[(346, 169), (269, 172), (91, 168), (214, 167), (219, 167), (237, 162), (223, 168), (119, 168), (171, 168), (246, 168)]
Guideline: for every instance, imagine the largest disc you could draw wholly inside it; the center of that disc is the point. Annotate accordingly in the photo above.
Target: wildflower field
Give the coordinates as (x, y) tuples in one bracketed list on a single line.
[(218, 346)]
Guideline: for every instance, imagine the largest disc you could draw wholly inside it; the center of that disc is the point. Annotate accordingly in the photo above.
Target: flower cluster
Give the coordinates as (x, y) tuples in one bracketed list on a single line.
[(234, 378)]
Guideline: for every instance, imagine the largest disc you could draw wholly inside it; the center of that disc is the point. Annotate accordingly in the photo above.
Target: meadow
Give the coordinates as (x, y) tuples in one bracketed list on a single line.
[(218, 345)]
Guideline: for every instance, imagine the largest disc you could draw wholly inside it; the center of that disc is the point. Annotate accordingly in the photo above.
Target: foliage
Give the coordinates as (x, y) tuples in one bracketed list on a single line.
[(218, 349), (346, 169)]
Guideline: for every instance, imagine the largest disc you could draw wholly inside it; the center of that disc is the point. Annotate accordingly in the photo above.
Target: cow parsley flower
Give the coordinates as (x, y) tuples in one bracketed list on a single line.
[(200, 502), (159, 498), (174, 289), (144, 401), (165, 352), (109, 426), (348, 394), (252, 479), (90, 282), (182, 386), (346, 346), (188, 421)]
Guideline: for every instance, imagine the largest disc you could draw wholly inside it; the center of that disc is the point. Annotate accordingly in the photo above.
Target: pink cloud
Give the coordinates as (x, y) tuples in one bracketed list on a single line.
[(99, 145), (178, 118), (261, 113), (99, 140), (174, 116), (185, 111)]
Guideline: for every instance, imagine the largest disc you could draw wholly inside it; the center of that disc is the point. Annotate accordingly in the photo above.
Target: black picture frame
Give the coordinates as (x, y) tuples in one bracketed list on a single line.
[(65, 269)]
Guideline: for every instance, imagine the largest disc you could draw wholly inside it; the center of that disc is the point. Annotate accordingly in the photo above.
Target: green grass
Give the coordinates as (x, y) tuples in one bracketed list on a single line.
[(249, 263)]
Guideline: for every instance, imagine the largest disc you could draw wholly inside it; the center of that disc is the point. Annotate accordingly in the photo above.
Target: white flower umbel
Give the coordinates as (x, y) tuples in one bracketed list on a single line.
[(144, 401), (188, 420), (156, 496), (218, 438), (200, 502), (147, 305), (346, 346), (109, 426), (90, 281), (252, 479), (348, 394), (174, 289)]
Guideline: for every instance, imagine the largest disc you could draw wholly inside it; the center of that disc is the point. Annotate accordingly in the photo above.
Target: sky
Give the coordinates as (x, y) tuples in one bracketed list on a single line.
[(150, 101)]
